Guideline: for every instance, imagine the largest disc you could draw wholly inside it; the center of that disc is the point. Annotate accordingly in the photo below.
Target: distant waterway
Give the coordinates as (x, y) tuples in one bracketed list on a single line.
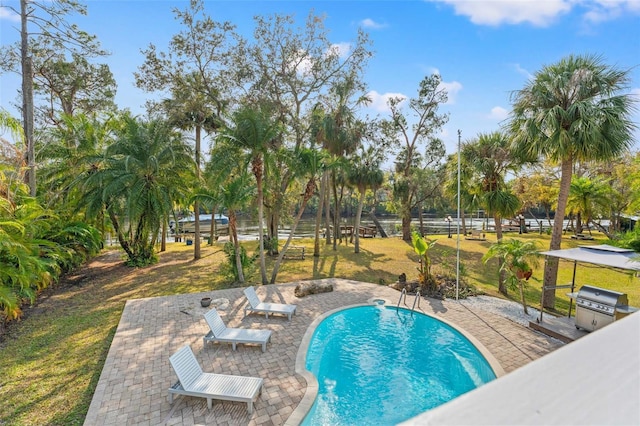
[(248, 227), (392, 225)]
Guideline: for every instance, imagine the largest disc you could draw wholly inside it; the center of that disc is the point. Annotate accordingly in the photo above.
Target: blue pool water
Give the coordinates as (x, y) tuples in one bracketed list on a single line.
[(379, 366)]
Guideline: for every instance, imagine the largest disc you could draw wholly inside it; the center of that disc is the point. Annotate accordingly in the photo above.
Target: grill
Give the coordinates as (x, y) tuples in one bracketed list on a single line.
[(597, 307)]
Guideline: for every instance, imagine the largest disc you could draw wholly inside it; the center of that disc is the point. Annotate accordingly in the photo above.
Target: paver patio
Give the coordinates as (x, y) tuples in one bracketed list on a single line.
[(132, 389)]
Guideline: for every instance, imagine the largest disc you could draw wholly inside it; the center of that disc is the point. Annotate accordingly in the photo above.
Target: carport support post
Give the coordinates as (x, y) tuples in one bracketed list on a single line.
[(539, 321), (541, 303), (573, 284)]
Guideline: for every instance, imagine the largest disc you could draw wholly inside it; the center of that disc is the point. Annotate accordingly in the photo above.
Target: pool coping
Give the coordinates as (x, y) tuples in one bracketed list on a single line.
[(303, 408)]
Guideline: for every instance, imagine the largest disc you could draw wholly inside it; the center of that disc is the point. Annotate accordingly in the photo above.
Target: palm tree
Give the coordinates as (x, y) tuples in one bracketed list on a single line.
[(254, 131), (23, 271), (519, 258), (489, 161), (189, 108), (571, 111), (235, 194), (35, 244), (364, 174), (74, 147), (340, 133), (587, 197), (143, 172), (310, 162)]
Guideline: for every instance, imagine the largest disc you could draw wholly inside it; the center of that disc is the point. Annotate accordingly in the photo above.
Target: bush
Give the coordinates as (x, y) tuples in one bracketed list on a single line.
[(629, 239), (248, 262)]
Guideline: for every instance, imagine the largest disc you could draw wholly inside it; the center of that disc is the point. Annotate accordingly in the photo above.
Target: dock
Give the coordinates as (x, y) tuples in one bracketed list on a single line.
[(363, 231)]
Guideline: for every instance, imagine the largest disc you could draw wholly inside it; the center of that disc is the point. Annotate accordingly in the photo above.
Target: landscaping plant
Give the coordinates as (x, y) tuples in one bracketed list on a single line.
[(519, 258)]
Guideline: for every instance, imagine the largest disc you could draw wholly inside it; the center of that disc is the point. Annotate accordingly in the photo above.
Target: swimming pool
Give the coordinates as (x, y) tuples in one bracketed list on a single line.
[(376, 365)]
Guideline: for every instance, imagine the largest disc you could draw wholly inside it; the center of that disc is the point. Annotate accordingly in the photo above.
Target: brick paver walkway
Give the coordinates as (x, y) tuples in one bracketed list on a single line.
[(132, 389)]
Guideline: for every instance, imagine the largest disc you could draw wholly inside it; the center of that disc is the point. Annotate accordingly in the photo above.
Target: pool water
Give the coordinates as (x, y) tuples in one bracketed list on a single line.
[(379, 366)]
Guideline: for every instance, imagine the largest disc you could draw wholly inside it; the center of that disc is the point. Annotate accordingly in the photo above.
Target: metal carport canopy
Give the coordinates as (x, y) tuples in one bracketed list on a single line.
[(604, 254)]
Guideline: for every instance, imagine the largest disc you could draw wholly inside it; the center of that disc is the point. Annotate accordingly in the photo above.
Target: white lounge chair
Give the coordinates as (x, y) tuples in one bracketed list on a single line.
[(192, 381), (255, 305), (221, 333)]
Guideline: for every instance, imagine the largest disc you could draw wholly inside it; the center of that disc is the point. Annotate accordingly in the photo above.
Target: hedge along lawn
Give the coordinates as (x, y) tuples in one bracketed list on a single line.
[(50, 362)]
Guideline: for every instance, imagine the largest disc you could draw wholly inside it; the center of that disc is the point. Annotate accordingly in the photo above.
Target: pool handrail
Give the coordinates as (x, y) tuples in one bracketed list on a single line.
[(414, 301), (403, 292)]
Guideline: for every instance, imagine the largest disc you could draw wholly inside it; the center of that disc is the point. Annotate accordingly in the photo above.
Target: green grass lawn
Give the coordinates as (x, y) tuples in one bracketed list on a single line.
[(51, 360)]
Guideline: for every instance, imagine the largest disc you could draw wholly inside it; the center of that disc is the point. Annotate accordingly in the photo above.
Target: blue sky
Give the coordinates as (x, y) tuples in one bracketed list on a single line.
[(483, 50)]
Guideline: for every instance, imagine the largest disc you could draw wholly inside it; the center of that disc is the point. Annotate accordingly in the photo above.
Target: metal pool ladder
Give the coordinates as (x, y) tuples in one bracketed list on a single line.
[(404, 293), (417, 299)]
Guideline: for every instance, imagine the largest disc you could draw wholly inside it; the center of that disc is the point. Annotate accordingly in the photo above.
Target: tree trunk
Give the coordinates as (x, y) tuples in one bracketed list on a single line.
[(356, 227), (406, 224), (539, 222), (421, 221), (196, 207), (307, 196), (502, 284), (163, 238), (336, 213), (316, 240), (372, 216), (551, 263), (233, 235), (327, 212), (212, 227), (464, 222), (578, 223), (196, 236), (27, 99), (257, 170), (524, 302), (272, 231), (121, 239), (604, 230)]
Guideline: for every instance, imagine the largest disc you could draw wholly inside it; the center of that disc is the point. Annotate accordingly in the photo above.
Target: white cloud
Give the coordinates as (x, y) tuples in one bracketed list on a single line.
[(540, 13), (607, 10), (341, 49), (9, 15), (379, 100), (452, 89), (370, 23), (302, 63), (498, 113), (635, 94), (497, 12)]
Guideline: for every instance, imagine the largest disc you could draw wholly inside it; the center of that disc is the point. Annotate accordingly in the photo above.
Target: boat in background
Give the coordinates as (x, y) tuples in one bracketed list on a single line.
[(187, 225)]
